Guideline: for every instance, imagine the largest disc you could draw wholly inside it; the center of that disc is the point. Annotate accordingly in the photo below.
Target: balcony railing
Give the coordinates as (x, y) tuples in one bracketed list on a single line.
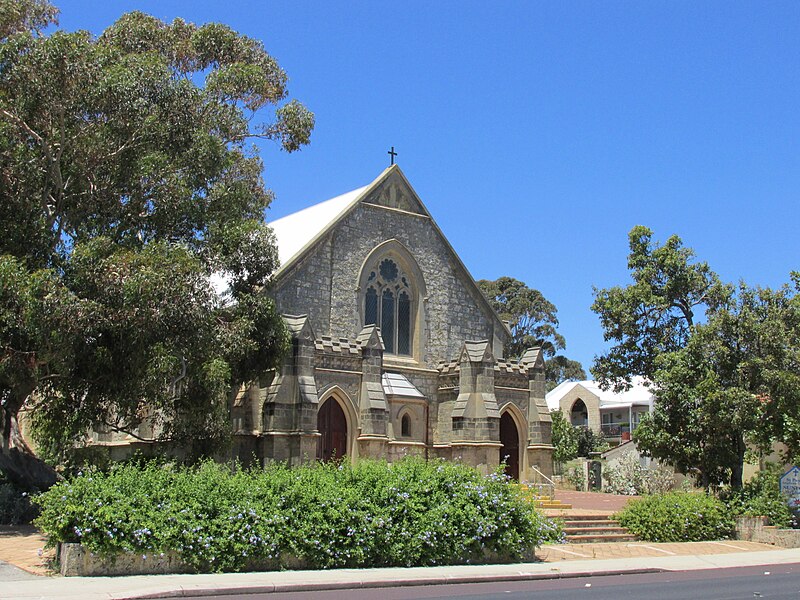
[(615, 430)]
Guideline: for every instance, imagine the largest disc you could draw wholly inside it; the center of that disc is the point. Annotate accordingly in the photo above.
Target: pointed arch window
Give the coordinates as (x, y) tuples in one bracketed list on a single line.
[(405, 426), (388, 304)]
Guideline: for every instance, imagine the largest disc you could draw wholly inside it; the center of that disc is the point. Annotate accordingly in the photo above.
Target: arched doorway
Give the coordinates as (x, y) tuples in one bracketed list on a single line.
[(509, 438), (332, 426), (579, 415)]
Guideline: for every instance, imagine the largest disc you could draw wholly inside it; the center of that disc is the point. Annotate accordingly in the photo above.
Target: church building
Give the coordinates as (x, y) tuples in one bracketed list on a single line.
[(395, 350)]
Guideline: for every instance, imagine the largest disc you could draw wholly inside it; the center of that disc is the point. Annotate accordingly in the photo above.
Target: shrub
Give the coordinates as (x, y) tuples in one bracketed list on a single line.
[(761, 496), (590, 442), (373, 514), (629, 477), (15, 504), (574, 473), (677, 517), (565, 438)]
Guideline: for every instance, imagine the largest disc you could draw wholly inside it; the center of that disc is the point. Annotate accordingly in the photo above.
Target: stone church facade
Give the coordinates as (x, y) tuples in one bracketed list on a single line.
[(395, 351)]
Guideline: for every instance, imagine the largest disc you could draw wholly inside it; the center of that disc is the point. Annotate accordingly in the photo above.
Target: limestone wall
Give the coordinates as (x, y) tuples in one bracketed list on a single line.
[(755, 529), (324, 284)]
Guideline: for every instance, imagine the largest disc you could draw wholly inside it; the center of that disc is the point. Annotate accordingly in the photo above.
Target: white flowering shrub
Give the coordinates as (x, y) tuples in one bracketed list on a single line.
[(629, 477), (329, 515)]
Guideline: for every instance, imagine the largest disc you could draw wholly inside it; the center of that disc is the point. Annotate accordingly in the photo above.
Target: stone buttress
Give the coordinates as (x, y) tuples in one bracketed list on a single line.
[(540, 425), (373, 408), (289, 430), (475, 416)]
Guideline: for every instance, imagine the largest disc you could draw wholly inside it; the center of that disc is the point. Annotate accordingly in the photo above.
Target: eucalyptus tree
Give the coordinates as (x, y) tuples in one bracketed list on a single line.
[(128, 183), (531, 317)]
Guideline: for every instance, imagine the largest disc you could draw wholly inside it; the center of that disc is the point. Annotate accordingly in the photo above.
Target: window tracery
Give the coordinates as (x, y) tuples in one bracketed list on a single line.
[(388, 303)]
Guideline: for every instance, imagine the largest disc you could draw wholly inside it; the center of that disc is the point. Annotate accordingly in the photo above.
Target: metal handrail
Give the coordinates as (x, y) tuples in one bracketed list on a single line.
[(548, 484)]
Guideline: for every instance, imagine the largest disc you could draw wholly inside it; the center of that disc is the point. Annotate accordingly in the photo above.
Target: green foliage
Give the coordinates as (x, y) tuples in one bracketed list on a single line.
[(677, 517), (127, 186), (565, 438), (629, 477), (575, 473), (328, 515), (531, 316), (560, 368), (655, 313), (732, 383), (720, 384), (25, 16), (761, 497), (15, 504), (590, 442)]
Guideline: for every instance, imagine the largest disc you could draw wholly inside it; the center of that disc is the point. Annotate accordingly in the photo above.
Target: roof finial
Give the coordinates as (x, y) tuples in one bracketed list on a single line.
[(392, 153)]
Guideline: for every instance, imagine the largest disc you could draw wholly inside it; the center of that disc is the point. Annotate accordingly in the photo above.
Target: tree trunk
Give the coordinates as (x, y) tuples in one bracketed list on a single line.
[(5, 423), (737, 470), (26, 471), (18, 463)]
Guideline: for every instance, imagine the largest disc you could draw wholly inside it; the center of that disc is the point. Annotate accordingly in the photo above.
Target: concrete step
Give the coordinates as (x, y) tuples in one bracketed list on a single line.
[(589, 523), (541, 501), (552, 504), (600, 539), (593, 529)]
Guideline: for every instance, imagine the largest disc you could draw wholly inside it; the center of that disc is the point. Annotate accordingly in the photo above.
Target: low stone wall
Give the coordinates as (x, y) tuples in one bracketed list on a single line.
[(756, 529), (77, 561)]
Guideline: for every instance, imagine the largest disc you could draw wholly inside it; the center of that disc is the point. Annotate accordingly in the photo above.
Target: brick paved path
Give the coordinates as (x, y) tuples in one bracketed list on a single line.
[(23, 546)]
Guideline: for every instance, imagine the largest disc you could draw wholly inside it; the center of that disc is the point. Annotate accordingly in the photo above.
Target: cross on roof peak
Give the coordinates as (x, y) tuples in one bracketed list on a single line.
[(392, 153)]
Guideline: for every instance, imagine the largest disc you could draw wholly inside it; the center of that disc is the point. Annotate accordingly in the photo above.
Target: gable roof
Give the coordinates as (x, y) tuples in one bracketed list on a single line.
[(297, 233)]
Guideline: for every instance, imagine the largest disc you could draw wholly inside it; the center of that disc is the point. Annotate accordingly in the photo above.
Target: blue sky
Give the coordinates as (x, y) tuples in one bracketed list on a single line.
[(538, 134)]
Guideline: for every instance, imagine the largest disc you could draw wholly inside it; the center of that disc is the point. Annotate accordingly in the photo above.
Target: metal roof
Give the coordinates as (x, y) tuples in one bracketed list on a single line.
[(395, 384), (295, 231)]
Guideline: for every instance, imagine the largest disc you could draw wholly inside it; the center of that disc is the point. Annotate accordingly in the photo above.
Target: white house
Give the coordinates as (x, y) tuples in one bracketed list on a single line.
[(613, 414)]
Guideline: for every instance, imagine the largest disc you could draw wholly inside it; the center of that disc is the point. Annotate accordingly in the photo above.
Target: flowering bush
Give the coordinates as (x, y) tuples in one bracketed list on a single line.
[(629, 477), (677, 517), (329, 515)]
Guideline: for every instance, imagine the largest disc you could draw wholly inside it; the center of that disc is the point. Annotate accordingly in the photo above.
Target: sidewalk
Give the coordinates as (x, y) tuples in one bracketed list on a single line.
[(23, 548), (162, 586)]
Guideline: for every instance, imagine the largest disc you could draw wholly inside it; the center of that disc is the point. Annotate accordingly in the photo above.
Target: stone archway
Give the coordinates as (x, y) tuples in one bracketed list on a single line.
[(579, 414), (332, 426), (509, 438)]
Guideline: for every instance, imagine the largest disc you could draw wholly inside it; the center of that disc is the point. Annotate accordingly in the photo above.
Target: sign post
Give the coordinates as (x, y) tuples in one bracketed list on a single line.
[(790, 487)]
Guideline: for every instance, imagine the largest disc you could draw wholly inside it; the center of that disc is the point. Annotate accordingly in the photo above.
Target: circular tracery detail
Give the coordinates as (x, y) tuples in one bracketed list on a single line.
[(388, 270)]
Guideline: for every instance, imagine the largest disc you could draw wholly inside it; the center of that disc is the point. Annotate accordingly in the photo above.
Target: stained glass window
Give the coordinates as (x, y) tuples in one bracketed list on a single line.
[(371, 306), (403, 324), (387, 303), (387, 321)]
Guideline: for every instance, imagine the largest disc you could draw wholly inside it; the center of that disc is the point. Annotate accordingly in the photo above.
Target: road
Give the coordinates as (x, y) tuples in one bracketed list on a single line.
[(774, 582)]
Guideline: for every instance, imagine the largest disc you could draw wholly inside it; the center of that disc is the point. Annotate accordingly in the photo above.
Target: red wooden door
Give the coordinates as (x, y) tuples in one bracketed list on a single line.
[(332, 424), (509, 438)]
